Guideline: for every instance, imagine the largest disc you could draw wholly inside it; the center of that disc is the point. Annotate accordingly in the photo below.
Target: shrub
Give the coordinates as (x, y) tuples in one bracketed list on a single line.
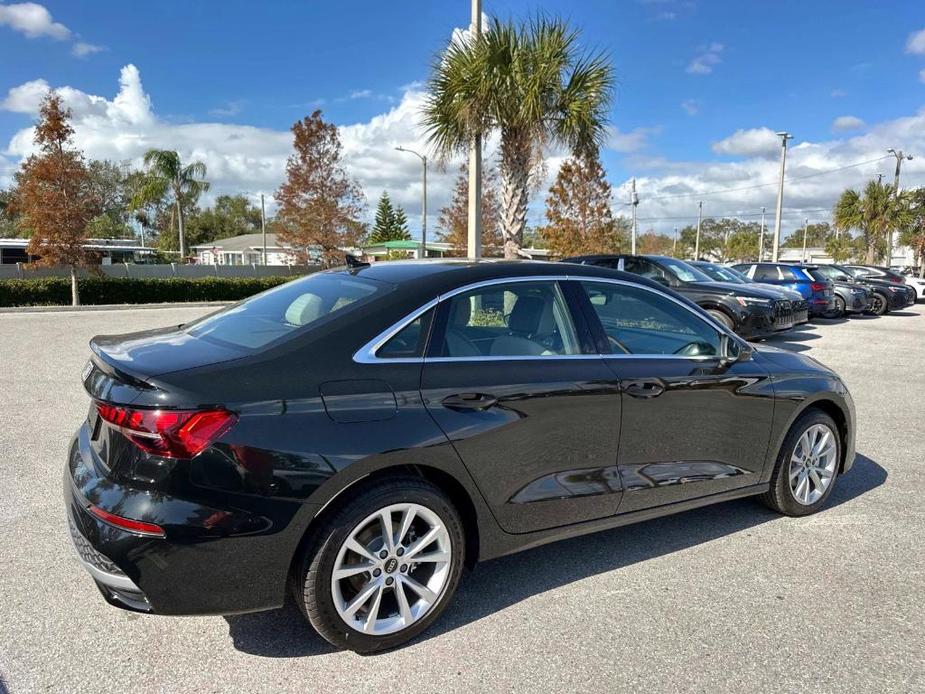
[(56, 291)]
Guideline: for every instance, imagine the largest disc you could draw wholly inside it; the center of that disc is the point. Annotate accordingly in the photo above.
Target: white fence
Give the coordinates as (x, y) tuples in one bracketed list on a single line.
[(134, 271)]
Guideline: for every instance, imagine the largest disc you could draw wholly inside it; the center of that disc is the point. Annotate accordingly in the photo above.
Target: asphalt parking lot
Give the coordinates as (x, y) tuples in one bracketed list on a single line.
[(727, 598)]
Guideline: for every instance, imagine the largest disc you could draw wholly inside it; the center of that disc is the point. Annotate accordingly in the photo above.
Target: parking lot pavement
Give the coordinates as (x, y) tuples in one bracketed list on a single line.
[(730, 597)]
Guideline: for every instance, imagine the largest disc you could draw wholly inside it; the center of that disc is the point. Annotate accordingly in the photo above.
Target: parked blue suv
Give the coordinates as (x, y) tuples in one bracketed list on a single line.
[(819, 295)]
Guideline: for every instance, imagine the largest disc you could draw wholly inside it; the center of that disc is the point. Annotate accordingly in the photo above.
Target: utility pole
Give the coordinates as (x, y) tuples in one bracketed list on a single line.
[(900, 155), (674, 246), (474, 222), (805, 229), (634, 201), (263, 227), (784, 136), (761, 238), (423, 159), (699, 222)]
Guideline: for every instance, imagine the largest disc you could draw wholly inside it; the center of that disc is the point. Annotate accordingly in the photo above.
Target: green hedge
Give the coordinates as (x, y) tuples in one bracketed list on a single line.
[(56, 291)]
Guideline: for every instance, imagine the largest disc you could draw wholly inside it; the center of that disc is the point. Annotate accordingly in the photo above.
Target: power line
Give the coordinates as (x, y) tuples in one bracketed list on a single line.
[(765, 185), (734, 214)]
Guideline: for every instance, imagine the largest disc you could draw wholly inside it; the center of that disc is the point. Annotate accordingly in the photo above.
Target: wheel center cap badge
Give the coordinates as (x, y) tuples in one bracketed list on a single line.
[(391, 565)]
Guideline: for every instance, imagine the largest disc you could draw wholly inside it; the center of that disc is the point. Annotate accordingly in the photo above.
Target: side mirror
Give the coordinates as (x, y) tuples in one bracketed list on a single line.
[(842, 278), (735, 351)]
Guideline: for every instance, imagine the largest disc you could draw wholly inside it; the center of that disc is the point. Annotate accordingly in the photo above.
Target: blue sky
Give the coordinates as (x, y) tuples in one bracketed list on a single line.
[(691, 74)]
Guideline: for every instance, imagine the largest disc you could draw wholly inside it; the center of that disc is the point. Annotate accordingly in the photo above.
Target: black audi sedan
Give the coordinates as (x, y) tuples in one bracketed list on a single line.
[(751, 312), (354, 438), (724, 273)]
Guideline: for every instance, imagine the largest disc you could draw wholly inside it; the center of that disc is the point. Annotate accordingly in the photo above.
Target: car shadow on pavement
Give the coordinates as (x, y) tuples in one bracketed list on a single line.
[(794, 339), (500, 583)]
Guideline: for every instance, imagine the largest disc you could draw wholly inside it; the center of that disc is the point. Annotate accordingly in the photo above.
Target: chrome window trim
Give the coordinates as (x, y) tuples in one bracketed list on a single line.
[(367, 353)]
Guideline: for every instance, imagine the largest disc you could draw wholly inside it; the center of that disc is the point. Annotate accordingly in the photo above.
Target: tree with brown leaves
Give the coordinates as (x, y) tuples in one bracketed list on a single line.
[(55, 195), (578, 216), (453, 223), (319, 204)]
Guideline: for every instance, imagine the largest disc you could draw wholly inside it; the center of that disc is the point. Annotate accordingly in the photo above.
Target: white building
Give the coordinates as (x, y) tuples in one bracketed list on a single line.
[(246, 249)]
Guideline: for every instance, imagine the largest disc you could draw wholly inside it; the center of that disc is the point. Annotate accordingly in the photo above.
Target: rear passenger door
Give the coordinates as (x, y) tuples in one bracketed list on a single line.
[(513, 379), (693, 423)]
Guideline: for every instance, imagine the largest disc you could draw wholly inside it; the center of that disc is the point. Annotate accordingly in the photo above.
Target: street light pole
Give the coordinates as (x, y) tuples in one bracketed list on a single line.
[(674, 246), (784, 136), (263, 227), (423, 159), (634, 201), (699, 222), (761, 238), (474, 221)]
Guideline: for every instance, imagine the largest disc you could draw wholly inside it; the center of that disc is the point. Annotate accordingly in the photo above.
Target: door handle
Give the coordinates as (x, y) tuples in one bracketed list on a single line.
[(469, 401), (644, 389)]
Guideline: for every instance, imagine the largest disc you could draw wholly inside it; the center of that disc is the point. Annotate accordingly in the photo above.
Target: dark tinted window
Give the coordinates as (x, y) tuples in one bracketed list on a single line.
[(638, 321), (410, 341), (509, 320), (274, 314), (766, 272)]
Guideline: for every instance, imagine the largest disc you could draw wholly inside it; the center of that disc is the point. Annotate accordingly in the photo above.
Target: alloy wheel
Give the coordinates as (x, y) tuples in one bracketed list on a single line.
[(392, 569), (812, 464)]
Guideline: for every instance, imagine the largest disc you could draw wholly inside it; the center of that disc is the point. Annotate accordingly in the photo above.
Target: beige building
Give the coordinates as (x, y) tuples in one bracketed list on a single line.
[(246, 249)]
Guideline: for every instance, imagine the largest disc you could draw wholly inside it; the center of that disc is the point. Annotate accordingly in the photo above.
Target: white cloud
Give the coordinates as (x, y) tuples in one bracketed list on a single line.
[(231, 108), (632, 141), (361, 94), (706, 59), (240, 158), (845, 123), (754, 142), (691, 106), (916, 42), (32, 20), (838, 93), (82, 50)]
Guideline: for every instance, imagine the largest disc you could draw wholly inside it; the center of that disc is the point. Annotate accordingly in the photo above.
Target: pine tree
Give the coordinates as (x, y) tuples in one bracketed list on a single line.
[(319, 204), (391, 223), (578, 216), (453, 222)]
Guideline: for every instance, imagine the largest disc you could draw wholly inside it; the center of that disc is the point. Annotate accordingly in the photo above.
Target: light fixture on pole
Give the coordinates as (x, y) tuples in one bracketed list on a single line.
[(805, 230), (699, 222), (674, 246), (784, 136), (900, 155), (263, 227), (761, 238), (423, 159)]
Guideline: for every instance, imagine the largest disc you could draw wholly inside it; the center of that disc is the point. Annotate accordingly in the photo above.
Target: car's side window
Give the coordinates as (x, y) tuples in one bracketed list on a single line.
[(766, 272), (509, 319), (639, 321), (410, 341)]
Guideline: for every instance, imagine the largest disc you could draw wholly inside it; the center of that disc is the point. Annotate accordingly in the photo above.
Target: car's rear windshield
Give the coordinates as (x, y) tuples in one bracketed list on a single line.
[(683, 271), (720, 273), (284, 310)]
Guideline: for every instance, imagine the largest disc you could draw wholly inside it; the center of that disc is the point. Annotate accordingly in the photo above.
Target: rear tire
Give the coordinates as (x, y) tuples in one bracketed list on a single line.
[(807, 466), (722, 318), (839, 310), (352, 538)]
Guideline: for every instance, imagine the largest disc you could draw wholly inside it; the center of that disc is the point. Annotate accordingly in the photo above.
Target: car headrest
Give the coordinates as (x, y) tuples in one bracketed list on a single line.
[(305, 309), (532, 315)]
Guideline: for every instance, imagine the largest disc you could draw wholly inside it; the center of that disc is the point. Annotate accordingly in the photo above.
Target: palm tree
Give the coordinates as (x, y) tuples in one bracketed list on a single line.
[(167, 175), (878, 213), (529, 81)]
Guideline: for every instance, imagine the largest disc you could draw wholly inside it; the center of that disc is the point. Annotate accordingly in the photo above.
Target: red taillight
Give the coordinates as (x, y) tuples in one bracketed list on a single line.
[(129, 524), (896, 280), (819, 286), (168, 433)]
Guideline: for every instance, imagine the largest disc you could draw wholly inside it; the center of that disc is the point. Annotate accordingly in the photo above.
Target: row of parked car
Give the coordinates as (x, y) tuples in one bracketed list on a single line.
[(757, 300)]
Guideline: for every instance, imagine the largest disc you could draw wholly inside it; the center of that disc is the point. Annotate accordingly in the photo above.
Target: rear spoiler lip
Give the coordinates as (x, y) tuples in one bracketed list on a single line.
[(102, 362)]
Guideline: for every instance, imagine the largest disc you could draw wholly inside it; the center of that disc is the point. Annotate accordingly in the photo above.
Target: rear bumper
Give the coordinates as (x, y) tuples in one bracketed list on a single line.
[(213, 560), (819, 306)]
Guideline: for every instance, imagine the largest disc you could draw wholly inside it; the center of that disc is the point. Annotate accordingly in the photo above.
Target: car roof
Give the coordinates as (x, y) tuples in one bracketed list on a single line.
[(439, 275)]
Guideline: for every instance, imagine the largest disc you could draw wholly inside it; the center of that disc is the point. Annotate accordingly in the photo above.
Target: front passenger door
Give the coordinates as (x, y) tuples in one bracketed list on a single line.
[(693, 423)]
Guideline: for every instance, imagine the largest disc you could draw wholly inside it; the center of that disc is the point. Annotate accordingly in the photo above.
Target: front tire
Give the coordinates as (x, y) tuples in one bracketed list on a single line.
[(807, 466), (722, 318), (367, 587), (879, 304)]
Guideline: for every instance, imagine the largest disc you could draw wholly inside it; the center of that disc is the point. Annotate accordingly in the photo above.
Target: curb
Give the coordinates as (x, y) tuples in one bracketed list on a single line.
[(112, 307)]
